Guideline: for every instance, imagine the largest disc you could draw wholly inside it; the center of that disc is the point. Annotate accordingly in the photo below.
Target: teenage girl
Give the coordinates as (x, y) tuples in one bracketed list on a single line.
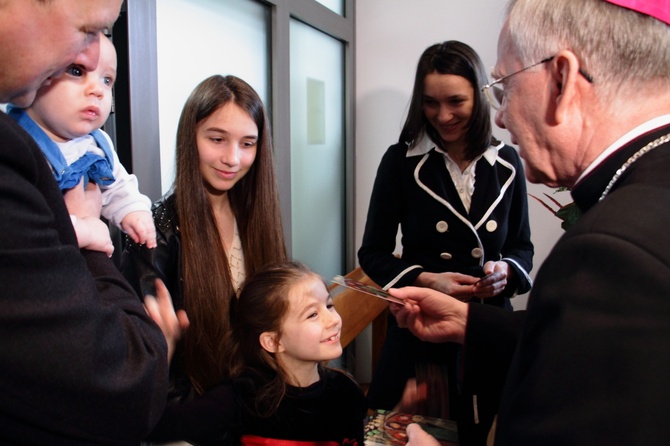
[(217, 225)]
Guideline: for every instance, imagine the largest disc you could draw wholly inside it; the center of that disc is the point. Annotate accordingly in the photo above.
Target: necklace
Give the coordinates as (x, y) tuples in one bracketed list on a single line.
[(636, 156)]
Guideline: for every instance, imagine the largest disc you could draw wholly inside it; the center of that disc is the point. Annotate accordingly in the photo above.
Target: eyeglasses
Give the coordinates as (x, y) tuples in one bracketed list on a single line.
[(495, 93)]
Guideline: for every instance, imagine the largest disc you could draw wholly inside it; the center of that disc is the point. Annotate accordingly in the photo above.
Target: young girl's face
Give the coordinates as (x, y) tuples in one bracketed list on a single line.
[(227, 141), (311, 328)]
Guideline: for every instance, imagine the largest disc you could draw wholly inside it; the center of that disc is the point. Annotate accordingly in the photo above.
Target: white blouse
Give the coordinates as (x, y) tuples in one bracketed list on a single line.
[(236, 262)]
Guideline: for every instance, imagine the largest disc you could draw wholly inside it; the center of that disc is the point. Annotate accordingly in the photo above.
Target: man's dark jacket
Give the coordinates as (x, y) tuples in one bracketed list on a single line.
[(592, 362)]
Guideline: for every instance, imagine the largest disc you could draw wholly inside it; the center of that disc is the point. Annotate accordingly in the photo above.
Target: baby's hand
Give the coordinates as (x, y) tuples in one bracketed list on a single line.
[(93, 234), (139, 225)]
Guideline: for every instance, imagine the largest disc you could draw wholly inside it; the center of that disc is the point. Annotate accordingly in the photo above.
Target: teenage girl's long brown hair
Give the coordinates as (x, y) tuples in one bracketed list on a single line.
[(207, 287)]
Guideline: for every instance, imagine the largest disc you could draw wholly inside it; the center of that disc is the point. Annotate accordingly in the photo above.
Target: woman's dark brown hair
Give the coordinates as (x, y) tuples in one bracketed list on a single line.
[(207, 287), (457, 58)]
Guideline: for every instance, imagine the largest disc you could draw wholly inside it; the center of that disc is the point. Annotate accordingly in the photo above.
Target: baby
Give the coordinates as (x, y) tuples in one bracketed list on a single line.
[(65, 120)]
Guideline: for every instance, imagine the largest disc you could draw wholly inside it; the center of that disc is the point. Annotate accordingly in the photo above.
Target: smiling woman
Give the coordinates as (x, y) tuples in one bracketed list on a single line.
[(458, 196), (448, 103)]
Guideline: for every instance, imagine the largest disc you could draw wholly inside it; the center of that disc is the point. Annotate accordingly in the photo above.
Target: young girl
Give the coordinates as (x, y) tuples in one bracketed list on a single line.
[(284, 326)]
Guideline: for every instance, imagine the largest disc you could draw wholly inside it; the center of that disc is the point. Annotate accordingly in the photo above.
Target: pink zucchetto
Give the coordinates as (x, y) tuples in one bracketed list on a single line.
[(658, 9)]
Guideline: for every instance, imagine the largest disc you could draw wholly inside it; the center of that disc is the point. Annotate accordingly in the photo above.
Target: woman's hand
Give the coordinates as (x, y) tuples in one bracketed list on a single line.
[(494, 281), (459, 286)]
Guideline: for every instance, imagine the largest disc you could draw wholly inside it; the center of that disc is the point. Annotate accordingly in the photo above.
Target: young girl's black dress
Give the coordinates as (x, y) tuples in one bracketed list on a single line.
[(329, 412)]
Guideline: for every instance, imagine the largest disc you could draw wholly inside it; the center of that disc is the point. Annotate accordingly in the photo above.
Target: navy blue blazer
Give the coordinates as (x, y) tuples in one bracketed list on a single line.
[(413, 190)]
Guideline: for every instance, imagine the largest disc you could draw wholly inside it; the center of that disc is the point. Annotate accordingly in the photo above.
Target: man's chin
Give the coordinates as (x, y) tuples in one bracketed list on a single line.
[(542, 179), (534, 176), (23, 100)]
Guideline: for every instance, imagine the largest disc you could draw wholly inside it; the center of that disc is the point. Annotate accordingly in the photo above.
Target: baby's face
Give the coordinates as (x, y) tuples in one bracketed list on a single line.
[(79, 101)]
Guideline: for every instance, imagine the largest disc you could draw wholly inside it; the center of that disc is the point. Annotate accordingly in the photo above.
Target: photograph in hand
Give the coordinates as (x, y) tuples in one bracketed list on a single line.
[(356, 285), (388, 428), (483, 278)]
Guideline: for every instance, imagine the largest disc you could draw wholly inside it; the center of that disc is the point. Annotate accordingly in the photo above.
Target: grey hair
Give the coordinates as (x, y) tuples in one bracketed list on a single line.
[(616, 46)]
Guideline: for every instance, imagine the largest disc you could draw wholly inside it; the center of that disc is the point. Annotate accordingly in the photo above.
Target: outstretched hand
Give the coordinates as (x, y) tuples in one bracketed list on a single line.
[(432, 316), (161, 310)]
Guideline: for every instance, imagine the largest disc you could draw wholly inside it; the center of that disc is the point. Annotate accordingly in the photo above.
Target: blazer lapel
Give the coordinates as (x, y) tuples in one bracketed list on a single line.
[(491, 183), (487, 188), (432, 176)]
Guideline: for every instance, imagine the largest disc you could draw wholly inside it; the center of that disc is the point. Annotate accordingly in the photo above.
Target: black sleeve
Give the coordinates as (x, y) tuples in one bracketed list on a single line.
[(142, 266), (350, 405), (376, 254), (359, 414), (490, 341), (81, 361), (208, 419)]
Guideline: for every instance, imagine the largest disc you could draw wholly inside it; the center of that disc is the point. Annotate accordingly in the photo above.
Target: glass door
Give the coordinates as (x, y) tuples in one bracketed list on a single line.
[(317, 150)]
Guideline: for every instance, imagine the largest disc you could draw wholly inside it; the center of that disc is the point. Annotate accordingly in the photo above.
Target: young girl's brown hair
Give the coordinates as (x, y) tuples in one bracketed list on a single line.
[(268, 290)]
